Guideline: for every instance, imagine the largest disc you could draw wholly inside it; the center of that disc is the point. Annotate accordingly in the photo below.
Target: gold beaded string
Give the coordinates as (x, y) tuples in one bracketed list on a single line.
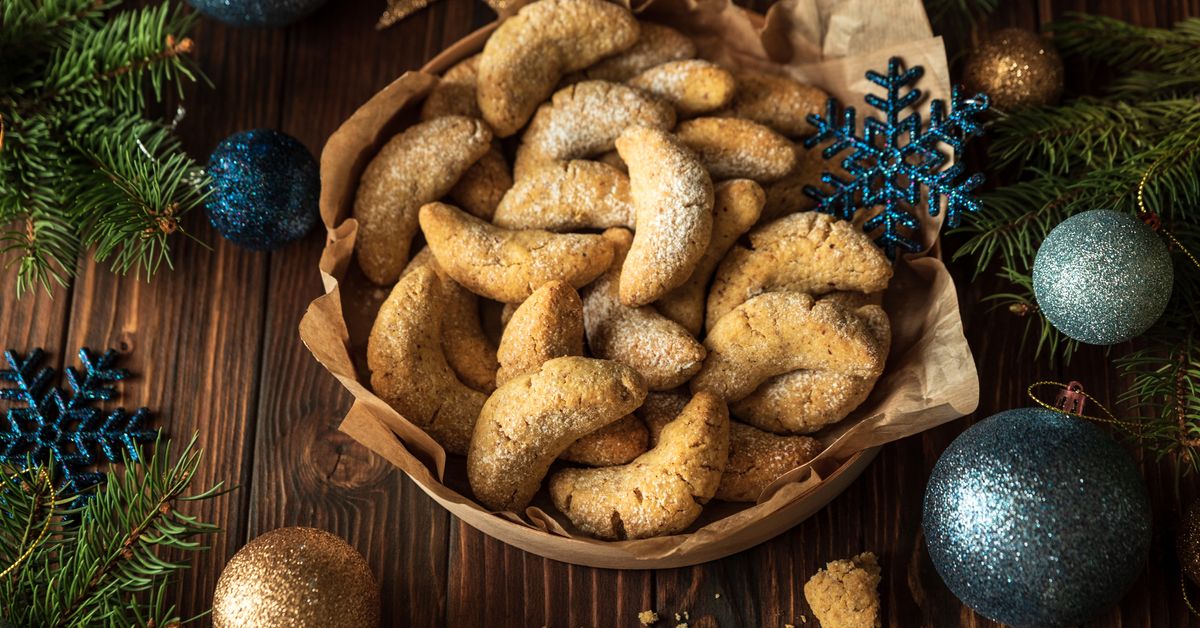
[(1108, 418), (1143, 213), (42, 477)]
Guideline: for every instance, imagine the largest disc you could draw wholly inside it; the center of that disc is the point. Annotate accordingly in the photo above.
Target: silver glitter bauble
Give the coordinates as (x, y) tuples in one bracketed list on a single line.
[(1036, 518), (1102, 277), (256, 13)]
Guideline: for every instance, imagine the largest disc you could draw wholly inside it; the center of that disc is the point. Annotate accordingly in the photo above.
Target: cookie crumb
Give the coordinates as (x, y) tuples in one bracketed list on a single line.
[(716, 596), (789, 626), (683, 625), (648, 618), (845, 594)]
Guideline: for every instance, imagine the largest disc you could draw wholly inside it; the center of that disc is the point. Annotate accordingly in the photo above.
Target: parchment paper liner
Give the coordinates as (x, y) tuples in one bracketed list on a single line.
[(930, 377)]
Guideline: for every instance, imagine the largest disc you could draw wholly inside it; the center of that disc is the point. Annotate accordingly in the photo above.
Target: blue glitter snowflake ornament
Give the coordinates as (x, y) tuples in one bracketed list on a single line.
[(897, 157), (75, 433)]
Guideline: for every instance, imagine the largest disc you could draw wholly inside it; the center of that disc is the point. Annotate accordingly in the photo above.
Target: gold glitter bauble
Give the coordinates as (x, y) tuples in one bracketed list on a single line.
[(1188, 543), (296, 578), (1015, 68)]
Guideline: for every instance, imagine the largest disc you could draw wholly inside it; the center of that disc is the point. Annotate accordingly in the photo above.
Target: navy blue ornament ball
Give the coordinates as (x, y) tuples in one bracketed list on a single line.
[(1037, 518), (260, 13), (265, 189), (1102, 277)]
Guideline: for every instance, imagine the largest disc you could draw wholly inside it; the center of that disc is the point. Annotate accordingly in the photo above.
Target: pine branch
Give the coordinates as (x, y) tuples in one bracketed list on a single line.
[(1125, 47), (1166, 383)]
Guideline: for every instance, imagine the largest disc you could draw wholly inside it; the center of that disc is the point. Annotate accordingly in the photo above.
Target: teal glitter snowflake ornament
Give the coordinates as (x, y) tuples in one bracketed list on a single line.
[(897, 157), (75, 433)]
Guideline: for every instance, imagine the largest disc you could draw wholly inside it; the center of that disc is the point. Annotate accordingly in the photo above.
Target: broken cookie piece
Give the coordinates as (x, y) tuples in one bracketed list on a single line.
[(845, 593)]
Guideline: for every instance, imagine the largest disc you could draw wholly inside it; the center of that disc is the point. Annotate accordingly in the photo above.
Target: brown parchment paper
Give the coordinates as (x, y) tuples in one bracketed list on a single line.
[(930, 377)]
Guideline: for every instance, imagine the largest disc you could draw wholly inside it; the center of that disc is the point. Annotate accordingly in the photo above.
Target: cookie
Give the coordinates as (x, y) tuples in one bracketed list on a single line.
[(662, 491), (583, 120), (612, 158), (802, 402), (506, 265), (531, 420), (787, 195), (568, 196), (807, 252), (483, 185), (756, 458), (528, 53), (548, 325), (673, 201), (736, 209), (692, 86), (845, 594), (614, 444), (731, 148), (470, 353), (454, 95), (780, 332), (656, 44), (415, 167), (409, 369), (776, 101), (660, 349)]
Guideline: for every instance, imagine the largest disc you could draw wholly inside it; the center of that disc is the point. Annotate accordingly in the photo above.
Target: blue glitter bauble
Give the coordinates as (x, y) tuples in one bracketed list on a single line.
[(1102, 277), (265, 189), (1036, 518), (266, 13)]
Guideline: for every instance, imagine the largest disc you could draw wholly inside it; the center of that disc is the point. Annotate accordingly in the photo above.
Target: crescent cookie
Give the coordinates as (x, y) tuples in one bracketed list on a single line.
[(662, 491), (470, 353), (568, 196), (780, 332), (732, 148), (787, 196), (807, 252), (415, 167), (614, 444), (656, 44), (776, 101), (692, 86), (660, 349), (506, 265), (531, 420), (483, 185), (673, 201), (804, 401), (737, 207), (454, 95), (408, 366), (756, 458), (528, 53), (585, 119)]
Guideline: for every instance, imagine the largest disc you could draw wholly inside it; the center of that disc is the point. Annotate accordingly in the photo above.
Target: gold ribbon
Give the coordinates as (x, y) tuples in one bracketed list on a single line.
[(42, 477)]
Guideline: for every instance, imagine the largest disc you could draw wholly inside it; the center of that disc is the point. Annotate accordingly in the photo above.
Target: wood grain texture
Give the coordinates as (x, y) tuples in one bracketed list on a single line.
[(214, 349)]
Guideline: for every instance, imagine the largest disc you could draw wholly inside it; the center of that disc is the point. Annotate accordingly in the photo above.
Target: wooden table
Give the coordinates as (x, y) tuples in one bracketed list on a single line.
[(215, 350)]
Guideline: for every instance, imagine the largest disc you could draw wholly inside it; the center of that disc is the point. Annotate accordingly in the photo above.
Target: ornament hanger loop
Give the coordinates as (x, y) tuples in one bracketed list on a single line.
[(42, 478), (1153, 220), (1070, 400)]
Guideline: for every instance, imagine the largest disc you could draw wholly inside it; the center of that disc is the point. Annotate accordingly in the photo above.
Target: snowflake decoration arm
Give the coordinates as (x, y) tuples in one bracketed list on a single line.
[(77, 434), (896, 157)]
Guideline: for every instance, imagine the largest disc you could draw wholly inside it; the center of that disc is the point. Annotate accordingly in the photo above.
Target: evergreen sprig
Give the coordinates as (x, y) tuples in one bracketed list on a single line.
[(1093, 153), (108, 562), (82, 166)]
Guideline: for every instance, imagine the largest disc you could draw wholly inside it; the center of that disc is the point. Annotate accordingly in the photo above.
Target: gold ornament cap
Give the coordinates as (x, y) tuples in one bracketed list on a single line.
[(1015, 68), (296, 578)]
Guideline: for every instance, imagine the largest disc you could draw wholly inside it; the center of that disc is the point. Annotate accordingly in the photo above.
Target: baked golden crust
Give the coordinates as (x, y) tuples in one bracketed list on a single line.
[(845, 594), (409, 369), (656, 44), (531, 420), (732, 148), (614, 444), (673, 201), (454, 95), (506, 265), (662, 491), (692, 86), (585, 119), (568, 196), (736, 209), (756, 458), (776, 101), (807, 252), (779, 332), (528, 53), (483, 185), (660, 349), (415, 167), (548, 325)]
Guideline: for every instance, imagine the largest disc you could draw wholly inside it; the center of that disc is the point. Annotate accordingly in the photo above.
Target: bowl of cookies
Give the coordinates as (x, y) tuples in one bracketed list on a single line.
[(580, 297)]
